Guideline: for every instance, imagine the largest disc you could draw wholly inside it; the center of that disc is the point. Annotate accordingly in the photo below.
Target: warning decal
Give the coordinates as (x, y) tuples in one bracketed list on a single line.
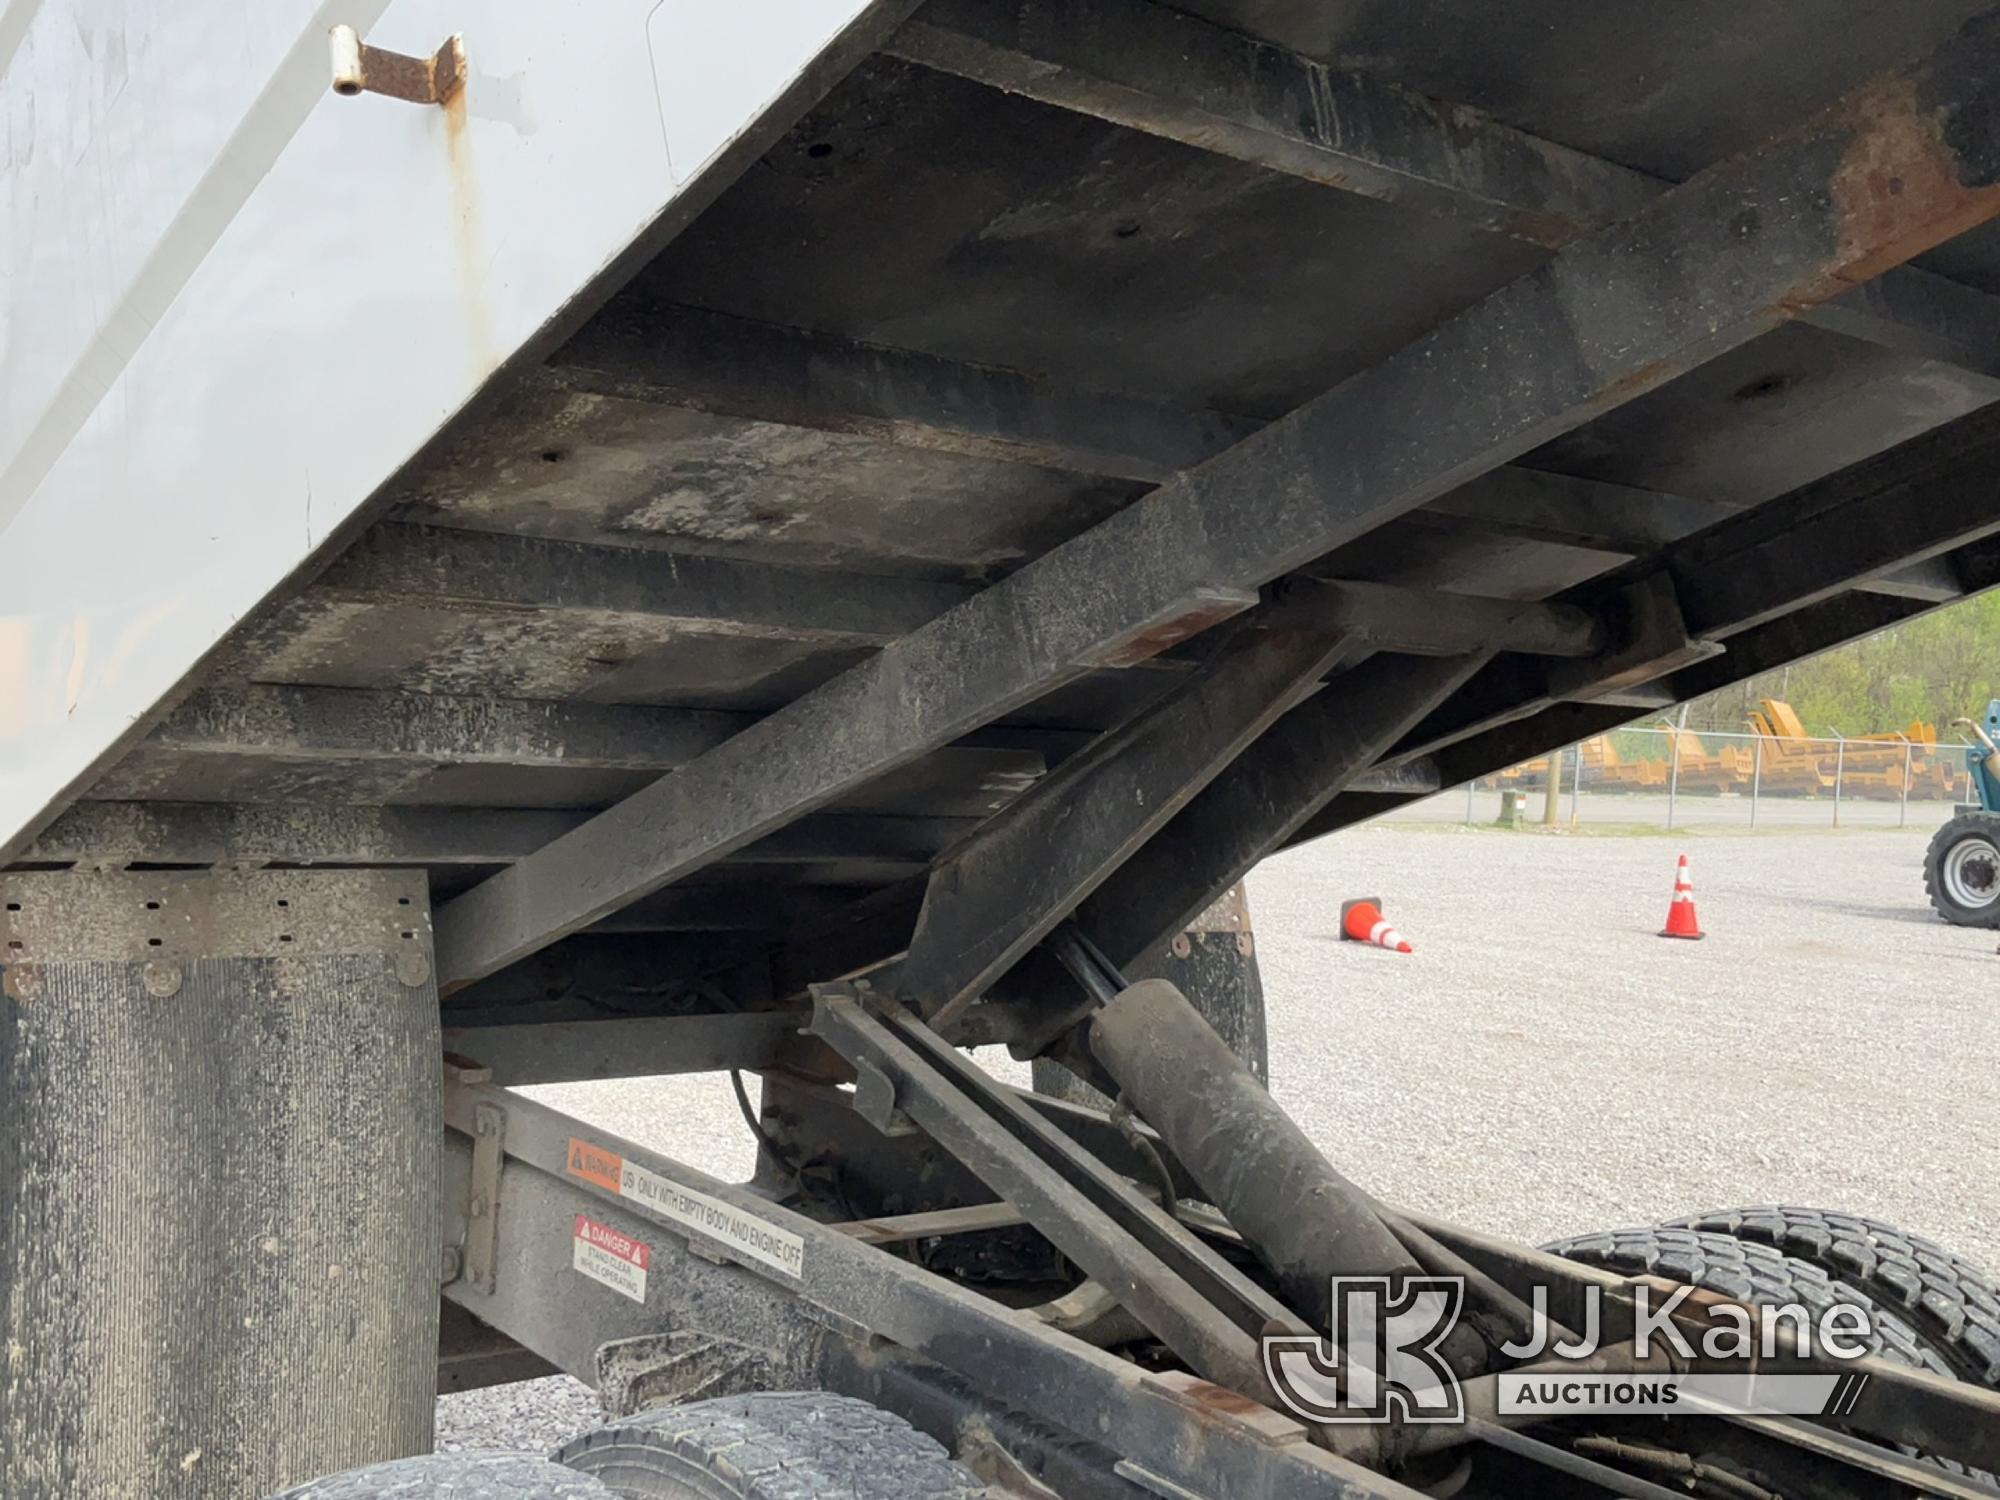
[(594, 1164), (746, 1233), (603, 1254)]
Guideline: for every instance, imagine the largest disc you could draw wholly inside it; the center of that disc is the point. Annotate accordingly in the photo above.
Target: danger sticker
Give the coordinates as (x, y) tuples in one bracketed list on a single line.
[(750, 1236), (618, 1261)]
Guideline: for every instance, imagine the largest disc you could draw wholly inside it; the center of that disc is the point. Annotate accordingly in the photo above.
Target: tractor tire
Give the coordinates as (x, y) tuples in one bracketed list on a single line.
[(1745, 1271), (769, 1447), (1962, 870), (454, 1476), (1950, 1302)]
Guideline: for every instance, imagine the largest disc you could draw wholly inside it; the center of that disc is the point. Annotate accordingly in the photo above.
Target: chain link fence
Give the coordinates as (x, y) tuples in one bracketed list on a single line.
[(1668, 778)]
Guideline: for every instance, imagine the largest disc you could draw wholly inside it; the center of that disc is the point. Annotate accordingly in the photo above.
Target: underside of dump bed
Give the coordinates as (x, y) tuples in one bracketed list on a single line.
[(1005, 333)]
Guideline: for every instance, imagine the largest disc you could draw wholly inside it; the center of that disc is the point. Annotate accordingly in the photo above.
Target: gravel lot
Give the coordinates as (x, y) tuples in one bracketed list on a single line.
[(1544, 1064)]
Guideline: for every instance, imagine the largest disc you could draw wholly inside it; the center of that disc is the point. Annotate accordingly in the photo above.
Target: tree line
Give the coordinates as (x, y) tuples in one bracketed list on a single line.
[(1942, 666)]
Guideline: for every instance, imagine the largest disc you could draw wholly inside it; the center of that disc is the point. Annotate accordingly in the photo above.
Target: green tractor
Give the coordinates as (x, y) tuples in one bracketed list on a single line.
[(1962, 865)]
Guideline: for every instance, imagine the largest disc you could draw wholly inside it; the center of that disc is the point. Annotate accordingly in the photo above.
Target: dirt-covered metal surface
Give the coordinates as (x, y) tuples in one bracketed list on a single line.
[(1090, 319)]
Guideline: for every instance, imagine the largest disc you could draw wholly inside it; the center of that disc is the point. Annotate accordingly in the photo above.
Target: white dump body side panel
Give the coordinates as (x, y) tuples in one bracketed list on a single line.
[(234, 303)]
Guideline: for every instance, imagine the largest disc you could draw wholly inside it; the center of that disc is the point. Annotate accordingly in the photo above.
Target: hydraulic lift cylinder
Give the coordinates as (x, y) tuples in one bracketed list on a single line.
[(1213, 962), (1307, 1221)]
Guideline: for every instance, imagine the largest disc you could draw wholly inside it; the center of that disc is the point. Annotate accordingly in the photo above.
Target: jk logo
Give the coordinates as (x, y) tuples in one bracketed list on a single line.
[(1382, 1363)]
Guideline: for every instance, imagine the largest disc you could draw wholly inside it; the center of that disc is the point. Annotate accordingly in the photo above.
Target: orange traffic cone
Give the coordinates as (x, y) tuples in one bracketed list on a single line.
[(1362, 922), (1681, 920)]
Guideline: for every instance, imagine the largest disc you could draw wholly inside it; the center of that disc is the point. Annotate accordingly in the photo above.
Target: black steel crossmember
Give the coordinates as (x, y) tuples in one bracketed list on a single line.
[(1772, 583), (1305, 760), (1618, 312), (1159, 70), (1000, 892)]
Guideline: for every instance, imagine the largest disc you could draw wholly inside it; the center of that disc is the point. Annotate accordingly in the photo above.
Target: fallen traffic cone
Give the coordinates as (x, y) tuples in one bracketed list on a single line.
[(1362, 922), (1681, 920)]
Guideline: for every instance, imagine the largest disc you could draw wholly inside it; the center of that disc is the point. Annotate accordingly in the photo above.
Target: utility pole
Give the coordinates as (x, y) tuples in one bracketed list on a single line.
[(1553, 796)]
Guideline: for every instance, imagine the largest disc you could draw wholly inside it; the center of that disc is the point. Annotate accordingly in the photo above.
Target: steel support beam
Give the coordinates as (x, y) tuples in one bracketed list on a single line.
[(994, 897), (1920, 500), (1534, 726), (572, 1051), (1416, 777), (1572, 512), (292, 723), (595, 976), (1924, 315), (703, 361), (1933, 581), (472, 1356), (307, 723), (1304, 761), (879, 926), (435, 568), (221, 833), (1704, 267), (1166, 73), (640, 350), (1160, 71), (277, 722), (1793, 637), (1431, 622), (1910, 504)]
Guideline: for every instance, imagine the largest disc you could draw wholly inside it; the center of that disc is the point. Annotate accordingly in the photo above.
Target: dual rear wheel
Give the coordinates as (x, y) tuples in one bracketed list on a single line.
[(769, 1446)]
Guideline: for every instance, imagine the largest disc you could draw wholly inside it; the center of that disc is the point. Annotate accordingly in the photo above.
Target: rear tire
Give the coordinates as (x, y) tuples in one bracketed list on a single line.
[(454, 1476), (1746, 1272), (769, 1447), (1760, 1276), (1962, 870), (1953, 1305)]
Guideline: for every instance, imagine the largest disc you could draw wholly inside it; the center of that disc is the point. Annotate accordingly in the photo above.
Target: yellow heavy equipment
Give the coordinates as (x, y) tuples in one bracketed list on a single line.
[(1793, 763), (1882, 766), (1604, 768)]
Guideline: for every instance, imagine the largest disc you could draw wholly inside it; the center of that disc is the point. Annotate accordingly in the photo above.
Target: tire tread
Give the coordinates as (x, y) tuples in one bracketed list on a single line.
[(1959, 827), (1746, 1272), (454, 1476), (1952, 1303), (780, 1446)]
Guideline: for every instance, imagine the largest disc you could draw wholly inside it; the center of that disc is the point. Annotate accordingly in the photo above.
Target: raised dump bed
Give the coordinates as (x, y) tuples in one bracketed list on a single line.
[(693, 502)]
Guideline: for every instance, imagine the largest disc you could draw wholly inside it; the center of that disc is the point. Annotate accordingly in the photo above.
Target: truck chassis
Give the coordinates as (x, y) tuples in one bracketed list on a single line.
[(751, 674)]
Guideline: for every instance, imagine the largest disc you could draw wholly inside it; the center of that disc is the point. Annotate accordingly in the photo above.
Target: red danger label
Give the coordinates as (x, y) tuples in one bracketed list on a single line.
[(616, 1260), (605, 1237)]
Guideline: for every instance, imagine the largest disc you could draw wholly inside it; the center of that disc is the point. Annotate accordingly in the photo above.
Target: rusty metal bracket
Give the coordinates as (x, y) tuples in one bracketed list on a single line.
[(656, 1369), (482, 1204), (361, 69)]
